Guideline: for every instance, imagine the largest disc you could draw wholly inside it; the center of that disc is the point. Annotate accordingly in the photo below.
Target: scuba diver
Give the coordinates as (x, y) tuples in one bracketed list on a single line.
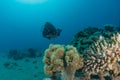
[(49, 31)]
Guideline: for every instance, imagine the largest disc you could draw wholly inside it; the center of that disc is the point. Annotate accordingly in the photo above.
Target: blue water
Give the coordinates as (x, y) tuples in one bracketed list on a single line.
[(21, 23)]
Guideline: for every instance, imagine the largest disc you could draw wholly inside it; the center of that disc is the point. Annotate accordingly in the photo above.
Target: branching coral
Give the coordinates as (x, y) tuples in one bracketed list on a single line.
[(62, 59), (101, 51), (102, 57)]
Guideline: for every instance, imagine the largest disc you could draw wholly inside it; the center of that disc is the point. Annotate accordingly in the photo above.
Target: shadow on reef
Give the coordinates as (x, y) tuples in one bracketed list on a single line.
[(50, 31), (93, 53)]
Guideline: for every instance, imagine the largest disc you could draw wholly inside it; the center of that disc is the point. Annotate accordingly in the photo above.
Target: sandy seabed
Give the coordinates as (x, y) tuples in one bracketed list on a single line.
[(25, 69)]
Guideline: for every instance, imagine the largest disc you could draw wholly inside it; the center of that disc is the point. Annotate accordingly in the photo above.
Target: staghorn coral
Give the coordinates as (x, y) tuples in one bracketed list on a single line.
[(62, 59)]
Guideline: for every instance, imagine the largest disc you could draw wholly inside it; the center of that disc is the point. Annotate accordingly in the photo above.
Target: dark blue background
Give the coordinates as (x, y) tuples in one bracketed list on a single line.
[(21, 23)]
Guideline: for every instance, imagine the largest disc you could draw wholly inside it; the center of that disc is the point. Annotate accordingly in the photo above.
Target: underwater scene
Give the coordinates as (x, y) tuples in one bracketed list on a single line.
[(59, 39)]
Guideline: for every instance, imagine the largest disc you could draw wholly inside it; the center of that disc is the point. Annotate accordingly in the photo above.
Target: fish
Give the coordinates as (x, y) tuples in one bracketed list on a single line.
[(50, 31)]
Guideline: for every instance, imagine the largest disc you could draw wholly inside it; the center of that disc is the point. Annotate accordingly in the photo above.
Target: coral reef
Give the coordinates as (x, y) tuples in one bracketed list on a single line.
[(84, 38), (17, 55), (102, 57), (101, 51), (14, 54), (96, 52), (64, 60)]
